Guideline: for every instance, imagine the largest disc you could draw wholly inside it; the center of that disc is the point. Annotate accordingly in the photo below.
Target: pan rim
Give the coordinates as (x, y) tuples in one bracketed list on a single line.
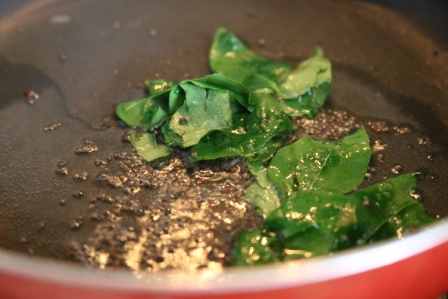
[(260, 278)]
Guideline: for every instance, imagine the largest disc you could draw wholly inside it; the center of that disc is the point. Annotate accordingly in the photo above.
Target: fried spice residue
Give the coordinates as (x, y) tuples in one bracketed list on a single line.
[(171, 215), (174, 214)]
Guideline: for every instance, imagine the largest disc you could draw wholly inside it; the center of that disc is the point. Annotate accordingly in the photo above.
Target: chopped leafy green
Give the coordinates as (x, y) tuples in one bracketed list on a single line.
[(388, 204), (146, 113), (203, 111), (255, 136), (309, 164), (147, 147), (262, 194), (231, 58), (319, 210), (302, 90), (303, 190), (307, 87), (320, 222), (257, 247)]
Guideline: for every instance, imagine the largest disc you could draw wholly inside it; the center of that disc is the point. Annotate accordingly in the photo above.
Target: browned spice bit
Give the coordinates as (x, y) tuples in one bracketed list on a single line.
[(41, 226), (434, 177), (76, 225), (87, 149), (62, 171), (183, 120), (402, 130), (397, 168), (423, 140), (80, 177), (99, 162), (62, 202), (79, 193), (61, 163), (52, 126), (31, 96), (108, 199), (379, 126), (126, 137), (431, 156), (94, 216)]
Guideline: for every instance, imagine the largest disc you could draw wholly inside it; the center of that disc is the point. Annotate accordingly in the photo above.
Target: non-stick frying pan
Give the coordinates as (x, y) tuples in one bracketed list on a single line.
[(82, 58)]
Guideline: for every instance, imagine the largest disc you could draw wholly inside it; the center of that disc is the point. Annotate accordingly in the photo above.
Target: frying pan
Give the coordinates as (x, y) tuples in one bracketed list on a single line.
[(82, 58)]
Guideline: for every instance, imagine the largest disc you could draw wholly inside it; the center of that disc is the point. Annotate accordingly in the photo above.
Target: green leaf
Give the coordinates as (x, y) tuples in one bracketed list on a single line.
[(388, 209), (231, 58), (317, 222), (239, 94), (255, 136), (203, 106), (176, 99), (255, 248), (147, 147), (145, 113), (262, 193), (204, 110), (303, 90), (314, 210), (307, 87), (309, 164)]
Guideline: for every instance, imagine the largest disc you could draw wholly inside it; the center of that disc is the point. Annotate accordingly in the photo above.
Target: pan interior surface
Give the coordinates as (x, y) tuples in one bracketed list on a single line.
[(82, 58)]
